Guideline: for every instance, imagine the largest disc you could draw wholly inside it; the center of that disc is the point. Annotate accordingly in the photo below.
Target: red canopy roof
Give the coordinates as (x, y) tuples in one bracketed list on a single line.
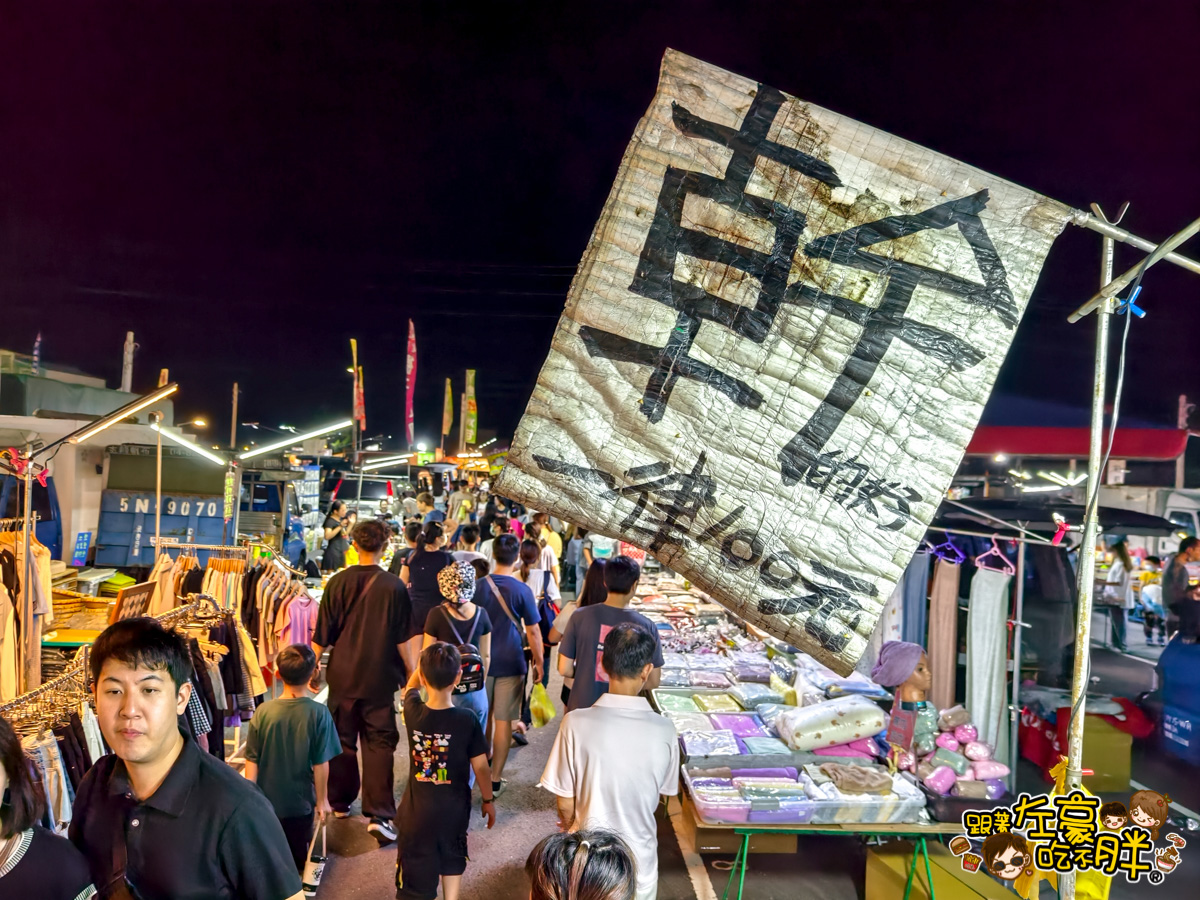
[(1130, 443)]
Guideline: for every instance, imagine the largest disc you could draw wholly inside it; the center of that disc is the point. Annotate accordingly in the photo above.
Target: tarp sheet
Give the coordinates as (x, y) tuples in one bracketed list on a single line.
[(776, 347)]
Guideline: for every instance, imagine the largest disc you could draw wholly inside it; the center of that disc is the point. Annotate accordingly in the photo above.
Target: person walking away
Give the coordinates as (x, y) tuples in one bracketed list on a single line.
[(549, 559), (159, 817), (366, 620), (34, 862), (467, 548), (409, 505), (447, 745), (545, 593), (553, 538), (595, 864), (597, 546), (500, 525), (1181, 600), (412, 531), (583, 640), (455, 501), (459, 621), (420, 574), (581, 560), (288, 749), (335, 536), (611, 761), (591, 593), (1118, 592), (513, 611), (426, 509)]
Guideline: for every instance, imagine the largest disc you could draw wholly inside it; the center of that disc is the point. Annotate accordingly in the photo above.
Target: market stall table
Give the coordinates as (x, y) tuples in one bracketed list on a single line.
[(920, 833)]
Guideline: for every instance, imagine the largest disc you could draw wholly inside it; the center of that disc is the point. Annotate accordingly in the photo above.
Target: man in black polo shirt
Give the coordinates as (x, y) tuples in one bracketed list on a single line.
[(365, 617), (160, 818)]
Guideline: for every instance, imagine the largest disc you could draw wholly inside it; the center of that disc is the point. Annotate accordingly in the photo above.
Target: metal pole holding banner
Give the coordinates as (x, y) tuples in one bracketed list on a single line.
[(157, 417), (1018, 622), (1087, 552)]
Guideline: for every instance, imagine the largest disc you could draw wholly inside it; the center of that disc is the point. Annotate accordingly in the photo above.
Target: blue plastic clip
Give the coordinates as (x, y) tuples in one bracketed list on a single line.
[(1130, 305)]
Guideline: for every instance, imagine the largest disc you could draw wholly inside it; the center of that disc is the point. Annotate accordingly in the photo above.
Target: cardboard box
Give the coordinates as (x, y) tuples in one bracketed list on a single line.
[(709, 839), (1106, 751), (887, 873)]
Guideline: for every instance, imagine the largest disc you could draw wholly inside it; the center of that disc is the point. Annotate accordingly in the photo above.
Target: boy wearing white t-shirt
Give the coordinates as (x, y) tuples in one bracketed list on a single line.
[(611, 761)]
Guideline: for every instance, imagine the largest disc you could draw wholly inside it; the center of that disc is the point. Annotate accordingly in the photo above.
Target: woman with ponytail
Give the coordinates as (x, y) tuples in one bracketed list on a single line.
[(420, 573), (582, 865)]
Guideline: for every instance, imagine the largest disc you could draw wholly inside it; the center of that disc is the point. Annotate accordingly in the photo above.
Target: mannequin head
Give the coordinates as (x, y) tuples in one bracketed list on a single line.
[(905, 667)]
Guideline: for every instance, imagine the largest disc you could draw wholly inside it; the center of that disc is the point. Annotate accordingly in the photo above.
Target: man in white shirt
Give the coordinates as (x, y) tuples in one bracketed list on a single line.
[(611, 762)]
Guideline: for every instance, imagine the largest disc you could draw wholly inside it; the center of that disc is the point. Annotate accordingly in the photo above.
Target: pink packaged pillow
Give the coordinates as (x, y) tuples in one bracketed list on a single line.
[(947, 740), (942, 779), (964, 734), (987, 769), (977, 750)]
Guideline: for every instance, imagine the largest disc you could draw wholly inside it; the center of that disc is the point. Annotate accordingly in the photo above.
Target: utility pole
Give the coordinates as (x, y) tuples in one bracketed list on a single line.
[(127, 364), (233, 423)]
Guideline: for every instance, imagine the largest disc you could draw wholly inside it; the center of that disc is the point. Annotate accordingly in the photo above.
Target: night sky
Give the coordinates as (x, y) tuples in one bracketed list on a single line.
[(248, 185)]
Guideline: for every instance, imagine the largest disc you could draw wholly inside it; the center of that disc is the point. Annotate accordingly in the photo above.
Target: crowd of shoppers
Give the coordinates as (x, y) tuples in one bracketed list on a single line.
[(467, 634)]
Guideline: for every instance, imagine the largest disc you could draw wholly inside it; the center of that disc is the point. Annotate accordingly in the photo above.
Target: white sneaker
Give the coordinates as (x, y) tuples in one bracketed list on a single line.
[(382, 830)]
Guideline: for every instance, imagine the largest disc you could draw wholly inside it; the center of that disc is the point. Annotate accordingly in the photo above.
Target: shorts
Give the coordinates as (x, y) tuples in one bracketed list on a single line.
[(422, 862), (505, 696)]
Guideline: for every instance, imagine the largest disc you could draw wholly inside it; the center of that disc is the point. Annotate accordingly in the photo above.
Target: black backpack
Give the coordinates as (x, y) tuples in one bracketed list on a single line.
[(472, 660)]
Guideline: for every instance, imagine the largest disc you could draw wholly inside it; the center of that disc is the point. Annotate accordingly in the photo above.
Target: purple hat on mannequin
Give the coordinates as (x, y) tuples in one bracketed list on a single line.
[(897, 661)]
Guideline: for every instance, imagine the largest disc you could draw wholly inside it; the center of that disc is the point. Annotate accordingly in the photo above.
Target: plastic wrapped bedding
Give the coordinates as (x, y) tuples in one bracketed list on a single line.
[(830, 723), (675, 678), (673, 660), (676, 703), (707, 661), (689, 721), (769, 788), (750, 695), (707, 678), (743, 725), (769, 712), (710, 743), (750, 673), (903, 804), (716, 703), (764, 746)]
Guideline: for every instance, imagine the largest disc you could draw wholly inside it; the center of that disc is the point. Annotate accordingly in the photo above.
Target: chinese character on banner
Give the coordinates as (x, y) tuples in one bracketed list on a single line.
[(769, 286)]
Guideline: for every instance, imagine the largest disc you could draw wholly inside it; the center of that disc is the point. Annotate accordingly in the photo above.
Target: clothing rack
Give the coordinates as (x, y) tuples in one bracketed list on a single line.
[(73, 685), (18, 523), (233, 550), (274, 554)]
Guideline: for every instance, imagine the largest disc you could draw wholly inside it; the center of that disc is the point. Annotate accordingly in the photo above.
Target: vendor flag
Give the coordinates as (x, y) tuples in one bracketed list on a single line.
[(776, 347), (360, 405), (472, 425), (448, 410), (410, 370)]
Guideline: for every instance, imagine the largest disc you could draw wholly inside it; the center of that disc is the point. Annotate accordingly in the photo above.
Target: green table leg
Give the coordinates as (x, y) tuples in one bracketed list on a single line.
[(921, 849), (739, 861)]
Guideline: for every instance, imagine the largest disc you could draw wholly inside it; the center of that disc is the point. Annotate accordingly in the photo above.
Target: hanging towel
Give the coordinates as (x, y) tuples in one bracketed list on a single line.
[(987, 658), (916, 598), (942, 646)]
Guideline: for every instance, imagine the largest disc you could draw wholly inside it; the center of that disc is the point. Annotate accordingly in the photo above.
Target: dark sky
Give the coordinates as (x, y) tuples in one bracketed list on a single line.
[(248, 185)]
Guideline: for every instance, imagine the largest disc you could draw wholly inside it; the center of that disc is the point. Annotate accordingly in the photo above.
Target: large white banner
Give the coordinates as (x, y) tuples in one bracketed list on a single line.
[(777, 345)]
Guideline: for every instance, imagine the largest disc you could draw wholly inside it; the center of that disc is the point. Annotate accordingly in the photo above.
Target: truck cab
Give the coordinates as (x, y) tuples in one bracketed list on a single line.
[(269, 511)]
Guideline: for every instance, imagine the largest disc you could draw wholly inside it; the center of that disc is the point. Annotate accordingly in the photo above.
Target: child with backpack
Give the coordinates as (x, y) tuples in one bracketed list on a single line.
[(447, 746), (468, 627)]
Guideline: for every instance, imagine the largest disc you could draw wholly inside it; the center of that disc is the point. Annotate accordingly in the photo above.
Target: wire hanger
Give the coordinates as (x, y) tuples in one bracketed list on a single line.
[(949, 552), (1005, 566)]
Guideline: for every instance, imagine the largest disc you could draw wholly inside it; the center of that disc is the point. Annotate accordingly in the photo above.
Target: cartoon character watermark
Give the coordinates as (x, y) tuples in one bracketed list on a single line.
[(1071, 832), (1149, 809), (1006, 854), (1113, 816)]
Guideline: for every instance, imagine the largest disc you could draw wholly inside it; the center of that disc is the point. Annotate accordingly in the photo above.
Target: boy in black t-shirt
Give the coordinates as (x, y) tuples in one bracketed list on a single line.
[(445, 743)]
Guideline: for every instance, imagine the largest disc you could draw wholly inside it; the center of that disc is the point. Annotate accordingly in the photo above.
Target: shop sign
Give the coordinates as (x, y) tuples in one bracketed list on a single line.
[(83, 542), (230, 489), (778, 343)]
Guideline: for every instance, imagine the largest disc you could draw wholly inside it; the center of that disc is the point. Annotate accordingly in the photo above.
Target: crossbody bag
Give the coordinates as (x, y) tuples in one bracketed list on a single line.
[(508, 612)]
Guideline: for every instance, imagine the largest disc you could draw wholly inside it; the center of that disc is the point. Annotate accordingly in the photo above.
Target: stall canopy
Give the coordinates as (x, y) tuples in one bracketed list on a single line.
[(1038, 516), (1018, 426)]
